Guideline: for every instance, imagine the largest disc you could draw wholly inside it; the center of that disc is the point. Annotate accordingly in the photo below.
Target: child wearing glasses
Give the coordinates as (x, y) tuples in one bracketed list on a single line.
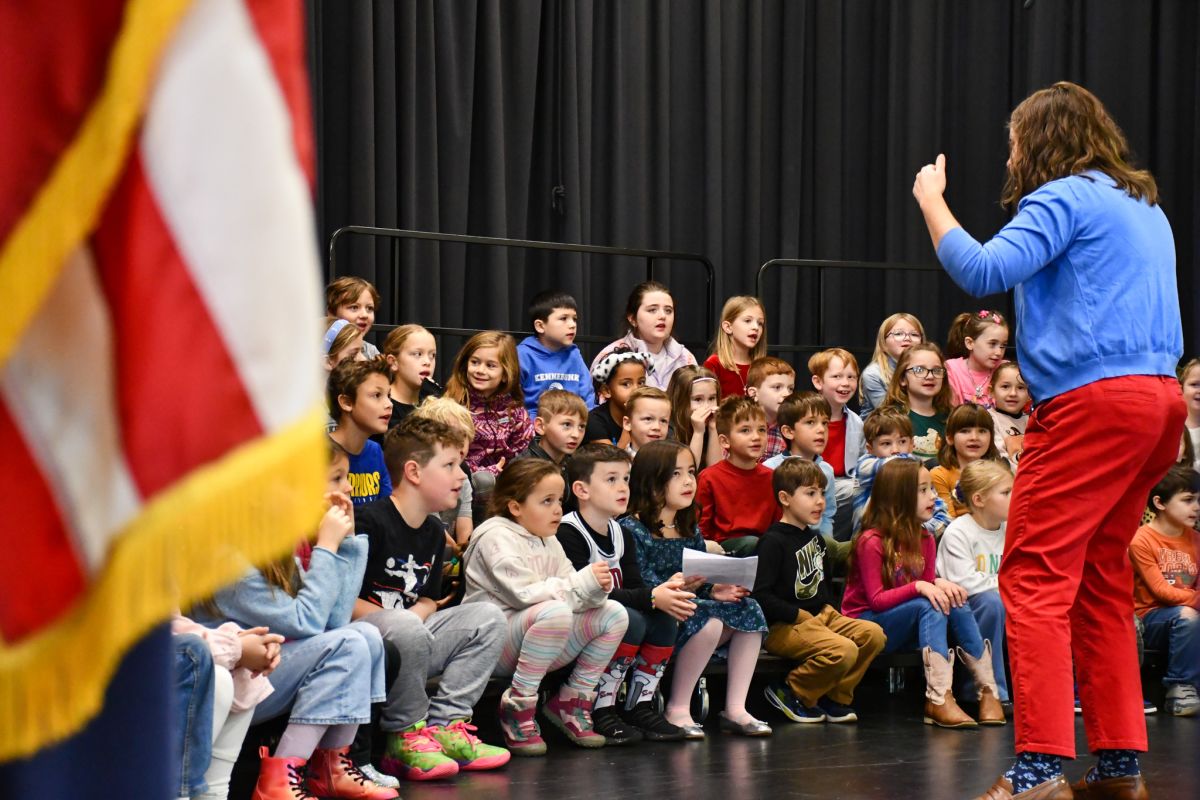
[(974, 348), (919, 388), (897, 333)]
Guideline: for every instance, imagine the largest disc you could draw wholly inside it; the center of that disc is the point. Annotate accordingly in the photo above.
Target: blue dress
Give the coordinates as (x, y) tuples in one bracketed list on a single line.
[(659, 559)]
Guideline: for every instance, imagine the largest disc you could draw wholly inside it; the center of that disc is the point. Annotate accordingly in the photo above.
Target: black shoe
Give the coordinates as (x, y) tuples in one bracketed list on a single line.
[(615, 730), (652, 724)]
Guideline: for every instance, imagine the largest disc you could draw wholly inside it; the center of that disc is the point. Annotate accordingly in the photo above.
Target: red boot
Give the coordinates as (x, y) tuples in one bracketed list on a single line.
[(331, 773), (280, 778)]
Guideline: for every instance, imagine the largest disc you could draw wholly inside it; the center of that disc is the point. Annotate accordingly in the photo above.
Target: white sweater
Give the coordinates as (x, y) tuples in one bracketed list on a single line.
[(970, 555), (513, 568)]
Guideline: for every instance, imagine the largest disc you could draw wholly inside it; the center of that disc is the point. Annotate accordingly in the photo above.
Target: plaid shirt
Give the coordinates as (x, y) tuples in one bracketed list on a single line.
[(776, 444)]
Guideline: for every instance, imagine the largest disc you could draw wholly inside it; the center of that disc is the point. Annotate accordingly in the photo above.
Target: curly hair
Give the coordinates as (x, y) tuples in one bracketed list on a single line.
[(1065, 130)]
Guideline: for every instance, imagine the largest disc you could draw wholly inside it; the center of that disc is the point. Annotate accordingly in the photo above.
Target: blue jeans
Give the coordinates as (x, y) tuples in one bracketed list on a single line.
[(915, 624), (989, 616), (1176, 629), (328, 679), (194, 702)]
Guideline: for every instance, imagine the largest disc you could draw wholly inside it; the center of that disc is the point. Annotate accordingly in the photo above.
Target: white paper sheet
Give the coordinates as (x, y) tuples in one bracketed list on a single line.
[(720, 569)]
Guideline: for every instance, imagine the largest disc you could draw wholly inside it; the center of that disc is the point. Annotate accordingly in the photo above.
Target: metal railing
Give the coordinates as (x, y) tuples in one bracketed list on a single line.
[(651, 257)]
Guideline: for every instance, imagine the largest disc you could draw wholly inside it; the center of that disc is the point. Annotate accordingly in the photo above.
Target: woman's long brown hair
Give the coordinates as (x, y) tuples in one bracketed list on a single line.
[(1065, 130), (892, 515)]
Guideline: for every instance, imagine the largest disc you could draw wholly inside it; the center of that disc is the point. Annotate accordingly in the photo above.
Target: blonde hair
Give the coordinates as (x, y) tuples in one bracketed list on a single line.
[(448, 412), (1186, 368), (560, 401), (396, 339), (723, 344), (980, 477), (880, 356), (645, 393), (342, 339)]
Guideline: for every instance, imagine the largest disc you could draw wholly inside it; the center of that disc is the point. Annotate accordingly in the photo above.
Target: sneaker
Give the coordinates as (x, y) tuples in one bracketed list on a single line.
[(1149, 708), (1182, 700), (414, 754), (787, 702), (836, 712), (615, 730), (521, 732), (1078, 705), (375, 775), (653, 725), (458, 741), (571, 713)]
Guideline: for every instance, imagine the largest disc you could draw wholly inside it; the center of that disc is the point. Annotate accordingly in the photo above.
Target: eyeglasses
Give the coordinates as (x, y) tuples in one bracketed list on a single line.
[(904, 336), (936, 372)]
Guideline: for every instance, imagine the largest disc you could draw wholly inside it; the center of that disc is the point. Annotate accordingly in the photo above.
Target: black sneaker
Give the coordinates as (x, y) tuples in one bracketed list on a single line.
[(615, 730), (652, 724), (836, 712), (790, 705)]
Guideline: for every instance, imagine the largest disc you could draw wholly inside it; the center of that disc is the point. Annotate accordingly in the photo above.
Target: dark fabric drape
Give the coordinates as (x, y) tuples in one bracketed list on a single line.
[(742, 130)]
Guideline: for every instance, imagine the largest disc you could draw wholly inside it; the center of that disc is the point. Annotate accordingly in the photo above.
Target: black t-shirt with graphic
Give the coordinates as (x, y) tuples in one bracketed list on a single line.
[(791, 573), (403, 563)]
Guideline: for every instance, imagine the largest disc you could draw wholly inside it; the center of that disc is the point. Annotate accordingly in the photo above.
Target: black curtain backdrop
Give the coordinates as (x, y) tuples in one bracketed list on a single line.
[(741, 130)]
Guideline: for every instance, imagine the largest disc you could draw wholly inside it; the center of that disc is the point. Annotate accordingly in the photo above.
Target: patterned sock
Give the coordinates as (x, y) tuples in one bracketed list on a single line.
[(614, 675), (647, 673), (1114, 764), (1030, 769)]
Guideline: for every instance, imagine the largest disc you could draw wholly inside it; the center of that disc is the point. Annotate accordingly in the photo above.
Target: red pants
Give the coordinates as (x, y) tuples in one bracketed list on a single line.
[(1091, 456)]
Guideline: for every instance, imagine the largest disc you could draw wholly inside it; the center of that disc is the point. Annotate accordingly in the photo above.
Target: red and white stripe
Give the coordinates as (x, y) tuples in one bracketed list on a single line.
[(158, 351)]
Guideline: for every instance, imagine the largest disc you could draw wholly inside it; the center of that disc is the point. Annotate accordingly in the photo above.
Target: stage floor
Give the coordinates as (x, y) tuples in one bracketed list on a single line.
[(889, 753)]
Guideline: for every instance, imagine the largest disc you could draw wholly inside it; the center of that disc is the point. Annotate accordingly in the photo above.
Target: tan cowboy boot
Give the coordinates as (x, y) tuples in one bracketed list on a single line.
[(990, 710), (940, 707)]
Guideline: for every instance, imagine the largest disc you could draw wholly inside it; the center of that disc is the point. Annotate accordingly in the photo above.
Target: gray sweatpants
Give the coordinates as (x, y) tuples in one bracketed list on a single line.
[(461, 644)]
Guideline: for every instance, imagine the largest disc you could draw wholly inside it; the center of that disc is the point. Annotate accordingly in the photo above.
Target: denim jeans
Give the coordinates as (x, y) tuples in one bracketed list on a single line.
[(194, 702), (1176, 629), (915, 624), (328, 679), (989, 616)]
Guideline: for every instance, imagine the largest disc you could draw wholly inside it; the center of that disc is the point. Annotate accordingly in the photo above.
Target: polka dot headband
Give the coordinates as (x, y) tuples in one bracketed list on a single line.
[(604, 369)]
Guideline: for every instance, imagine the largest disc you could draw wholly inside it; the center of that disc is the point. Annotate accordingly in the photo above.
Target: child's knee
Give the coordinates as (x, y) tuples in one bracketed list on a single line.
[(553, 614), (403, 629), (1188, 614), (349, 645), (616, 617), (371, 636)]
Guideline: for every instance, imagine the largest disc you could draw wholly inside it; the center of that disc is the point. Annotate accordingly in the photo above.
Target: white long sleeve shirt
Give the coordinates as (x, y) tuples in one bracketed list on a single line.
[(970, 555)]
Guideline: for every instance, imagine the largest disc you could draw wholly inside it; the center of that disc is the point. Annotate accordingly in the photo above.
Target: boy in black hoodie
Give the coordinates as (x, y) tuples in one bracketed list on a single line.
[(833, 651)]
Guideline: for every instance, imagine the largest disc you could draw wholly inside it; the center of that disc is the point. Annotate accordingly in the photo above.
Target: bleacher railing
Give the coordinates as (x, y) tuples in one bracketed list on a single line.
[(651, 257)]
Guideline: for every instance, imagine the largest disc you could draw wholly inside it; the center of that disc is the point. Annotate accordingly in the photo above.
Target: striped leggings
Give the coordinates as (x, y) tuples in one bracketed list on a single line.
[(547, 636)]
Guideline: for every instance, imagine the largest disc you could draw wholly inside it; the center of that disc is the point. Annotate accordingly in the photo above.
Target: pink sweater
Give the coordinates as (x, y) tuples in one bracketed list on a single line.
[(225, 644), (864, 585)]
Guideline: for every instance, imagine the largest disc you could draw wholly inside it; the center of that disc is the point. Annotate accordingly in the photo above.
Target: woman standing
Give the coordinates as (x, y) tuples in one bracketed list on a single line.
[(1092, 260)]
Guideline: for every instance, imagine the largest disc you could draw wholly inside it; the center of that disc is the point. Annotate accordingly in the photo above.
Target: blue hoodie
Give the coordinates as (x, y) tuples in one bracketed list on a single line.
[(543, 369), (1094, 273)]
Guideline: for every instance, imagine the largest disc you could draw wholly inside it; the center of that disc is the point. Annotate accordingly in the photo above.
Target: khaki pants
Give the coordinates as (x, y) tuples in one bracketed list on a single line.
[(834, 653)]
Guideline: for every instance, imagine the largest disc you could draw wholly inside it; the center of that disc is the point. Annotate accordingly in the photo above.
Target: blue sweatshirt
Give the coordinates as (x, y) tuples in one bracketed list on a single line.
[(1094, 274), (543, 369)]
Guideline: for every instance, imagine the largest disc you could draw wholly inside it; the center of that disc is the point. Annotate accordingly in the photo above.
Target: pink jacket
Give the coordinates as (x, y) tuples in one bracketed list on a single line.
[(864, 586), (502, 430), (226, 647)]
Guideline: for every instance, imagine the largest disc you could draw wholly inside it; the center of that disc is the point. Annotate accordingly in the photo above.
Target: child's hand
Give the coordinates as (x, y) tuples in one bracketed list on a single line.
[(341, 501), (956, 593), (260, 650), (603, 575), (729, 592), (500, 464), (690, 583), (936, 596), (711, 424), (671, 599), (335, 526), (700, 417)]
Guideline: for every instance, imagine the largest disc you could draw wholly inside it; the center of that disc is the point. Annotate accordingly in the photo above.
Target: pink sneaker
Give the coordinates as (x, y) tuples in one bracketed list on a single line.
[(521, 732), (571, 712)]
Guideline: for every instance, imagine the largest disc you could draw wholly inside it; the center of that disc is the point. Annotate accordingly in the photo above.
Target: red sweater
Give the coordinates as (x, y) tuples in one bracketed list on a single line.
[(732, 383), (864, 586), (735, 502)]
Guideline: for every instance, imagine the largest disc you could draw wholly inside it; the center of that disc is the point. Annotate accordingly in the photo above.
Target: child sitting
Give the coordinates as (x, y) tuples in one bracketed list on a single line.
[(1165, 554), (896, 334), (804, 421), (1010, 415), (769, 381), (970, 551), (411, 354), (550, 359), (458, 520), (343, 341), (647, 417), (354, 300), (1189, 381), (427, 738), (832, 651), (919, 388), (968, 439), (559, 426), (888, 434), (556, 614), (734, 495), (618, 375), (974, 348), (599, 476), (695, 394), (358, 397), (892, 582), (835, 376), (650, 322), (662, 521), (486, 378), (741, 338)]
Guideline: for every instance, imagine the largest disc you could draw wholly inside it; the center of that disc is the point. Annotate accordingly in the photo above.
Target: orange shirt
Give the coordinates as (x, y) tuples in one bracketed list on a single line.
[(1164, 569)]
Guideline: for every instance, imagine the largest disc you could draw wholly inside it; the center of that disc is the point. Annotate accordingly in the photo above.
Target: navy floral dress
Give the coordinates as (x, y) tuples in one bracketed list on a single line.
[(659, 559)]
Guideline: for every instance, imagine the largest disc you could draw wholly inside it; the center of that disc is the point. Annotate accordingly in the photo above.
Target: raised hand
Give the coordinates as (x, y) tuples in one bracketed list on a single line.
[(931, 180)]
